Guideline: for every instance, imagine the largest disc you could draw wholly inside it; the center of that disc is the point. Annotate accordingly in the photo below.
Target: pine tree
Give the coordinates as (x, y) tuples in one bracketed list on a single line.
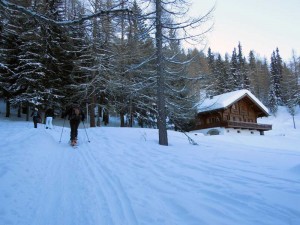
[(229, 80), (11, 28), (220, 76), (276, 75), (234, 73), (210, 79), (244, 81), (253, 74), (140, 48)]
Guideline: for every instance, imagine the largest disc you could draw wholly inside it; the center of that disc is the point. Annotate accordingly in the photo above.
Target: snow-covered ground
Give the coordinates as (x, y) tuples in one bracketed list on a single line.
[(124, 177)]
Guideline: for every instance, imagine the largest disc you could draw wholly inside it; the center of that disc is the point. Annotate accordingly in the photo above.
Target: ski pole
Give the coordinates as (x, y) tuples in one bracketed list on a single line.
[(62, 130), (86, 132)]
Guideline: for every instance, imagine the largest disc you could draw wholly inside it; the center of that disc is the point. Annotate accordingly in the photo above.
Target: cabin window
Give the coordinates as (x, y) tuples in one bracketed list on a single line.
[(213, 120), (228, 117)]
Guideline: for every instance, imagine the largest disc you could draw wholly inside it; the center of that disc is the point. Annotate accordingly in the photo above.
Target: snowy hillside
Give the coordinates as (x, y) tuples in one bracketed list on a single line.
[(124, 177)]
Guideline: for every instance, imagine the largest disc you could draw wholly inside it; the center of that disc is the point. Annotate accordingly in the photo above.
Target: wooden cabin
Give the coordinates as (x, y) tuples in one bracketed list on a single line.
[(231, 113)]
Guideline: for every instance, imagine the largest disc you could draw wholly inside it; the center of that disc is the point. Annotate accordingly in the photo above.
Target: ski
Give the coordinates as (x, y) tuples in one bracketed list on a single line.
[(74, 144)]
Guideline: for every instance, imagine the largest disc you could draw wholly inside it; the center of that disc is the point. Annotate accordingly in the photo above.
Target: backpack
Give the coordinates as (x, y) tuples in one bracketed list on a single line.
[(76, 114)]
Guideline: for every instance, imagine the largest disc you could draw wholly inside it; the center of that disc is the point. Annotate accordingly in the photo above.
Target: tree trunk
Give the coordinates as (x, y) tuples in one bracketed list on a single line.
[(20, 110), (294, 122), (122, 120), (130, 114), (98, 116), (161, 106), (7, 108), (92, 112), (105, 117), (27, 111)]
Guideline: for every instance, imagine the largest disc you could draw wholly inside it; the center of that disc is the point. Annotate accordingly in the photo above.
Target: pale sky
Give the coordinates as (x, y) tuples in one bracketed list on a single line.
[(260, 25)]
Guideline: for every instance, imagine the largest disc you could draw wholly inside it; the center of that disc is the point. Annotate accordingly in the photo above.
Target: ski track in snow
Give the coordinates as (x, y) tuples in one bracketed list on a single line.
[(132, 180), (71, 189)]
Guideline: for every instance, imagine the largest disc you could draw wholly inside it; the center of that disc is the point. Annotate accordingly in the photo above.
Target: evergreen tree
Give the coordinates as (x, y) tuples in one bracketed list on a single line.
[(11, 28), (30, 72), (220, 76), (210, 79), (244, 81), (253, 74), (234, 72), (228, 79), (276, 75)]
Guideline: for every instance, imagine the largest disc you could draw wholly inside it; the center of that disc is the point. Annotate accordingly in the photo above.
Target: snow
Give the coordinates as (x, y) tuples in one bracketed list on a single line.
[(124, 177), (224, 100)]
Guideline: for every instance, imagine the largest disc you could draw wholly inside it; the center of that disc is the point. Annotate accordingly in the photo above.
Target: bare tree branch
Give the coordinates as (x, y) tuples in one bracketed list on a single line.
[(43, 18)]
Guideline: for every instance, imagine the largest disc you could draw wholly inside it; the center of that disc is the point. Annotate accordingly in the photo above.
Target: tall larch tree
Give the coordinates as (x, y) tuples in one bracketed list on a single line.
[(169, 15)]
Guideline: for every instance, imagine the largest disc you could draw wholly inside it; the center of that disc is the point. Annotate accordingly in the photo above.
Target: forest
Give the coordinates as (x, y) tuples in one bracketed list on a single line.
[(127, 57)]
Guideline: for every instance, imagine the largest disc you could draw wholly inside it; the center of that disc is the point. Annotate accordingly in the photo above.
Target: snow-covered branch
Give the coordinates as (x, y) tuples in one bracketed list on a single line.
[(43, 18)]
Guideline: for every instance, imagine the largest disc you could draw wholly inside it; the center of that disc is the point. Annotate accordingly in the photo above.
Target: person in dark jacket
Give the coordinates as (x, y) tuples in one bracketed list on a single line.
[(36, 117), (75, 115), (49, 114)]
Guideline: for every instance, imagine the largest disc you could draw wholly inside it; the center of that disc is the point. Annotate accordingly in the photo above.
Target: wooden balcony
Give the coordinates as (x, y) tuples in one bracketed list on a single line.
[(237, 125)]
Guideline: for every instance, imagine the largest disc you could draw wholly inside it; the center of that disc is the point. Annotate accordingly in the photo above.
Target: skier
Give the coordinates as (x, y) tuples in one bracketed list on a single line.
[(36, 117), (49, 114), (75, 115)]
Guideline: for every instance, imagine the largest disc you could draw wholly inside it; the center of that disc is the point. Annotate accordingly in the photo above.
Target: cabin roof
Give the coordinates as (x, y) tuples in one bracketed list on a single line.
[(227, 99)]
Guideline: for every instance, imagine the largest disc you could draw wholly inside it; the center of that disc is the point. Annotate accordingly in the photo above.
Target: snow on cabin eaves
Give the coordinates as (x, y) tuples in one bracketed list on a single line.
[(227, 99)]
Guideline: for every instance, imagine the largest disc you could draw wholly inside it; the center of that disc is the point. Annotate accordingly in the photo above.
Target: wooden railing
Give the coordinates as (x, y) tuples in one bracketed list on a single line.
[(256, 126), (237, 125)]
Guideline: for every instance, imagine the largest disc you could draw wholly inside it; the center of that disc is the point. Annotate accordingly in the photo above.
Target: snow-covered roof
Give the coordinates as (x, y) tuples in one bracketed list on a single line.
[(227, 99)]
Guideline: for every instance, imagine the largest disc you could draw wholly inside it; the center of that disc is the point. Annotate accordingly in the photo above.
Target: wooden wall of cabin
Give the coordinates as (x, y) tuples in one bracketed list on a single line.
[(208, 118), (241, 111)]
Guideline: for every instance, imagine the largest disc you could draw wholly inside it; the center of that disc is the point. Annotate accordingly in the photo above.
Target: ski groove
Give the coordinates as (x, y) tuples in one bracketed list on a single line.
[(117, 197)]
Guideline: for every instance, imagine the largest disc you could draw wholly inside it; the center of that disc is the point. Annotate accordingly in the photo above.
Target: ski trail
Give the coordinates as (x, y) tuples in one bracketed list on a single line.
[(118, 202), (26, 174), (103, 191), (70, 201), (91, 198)]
